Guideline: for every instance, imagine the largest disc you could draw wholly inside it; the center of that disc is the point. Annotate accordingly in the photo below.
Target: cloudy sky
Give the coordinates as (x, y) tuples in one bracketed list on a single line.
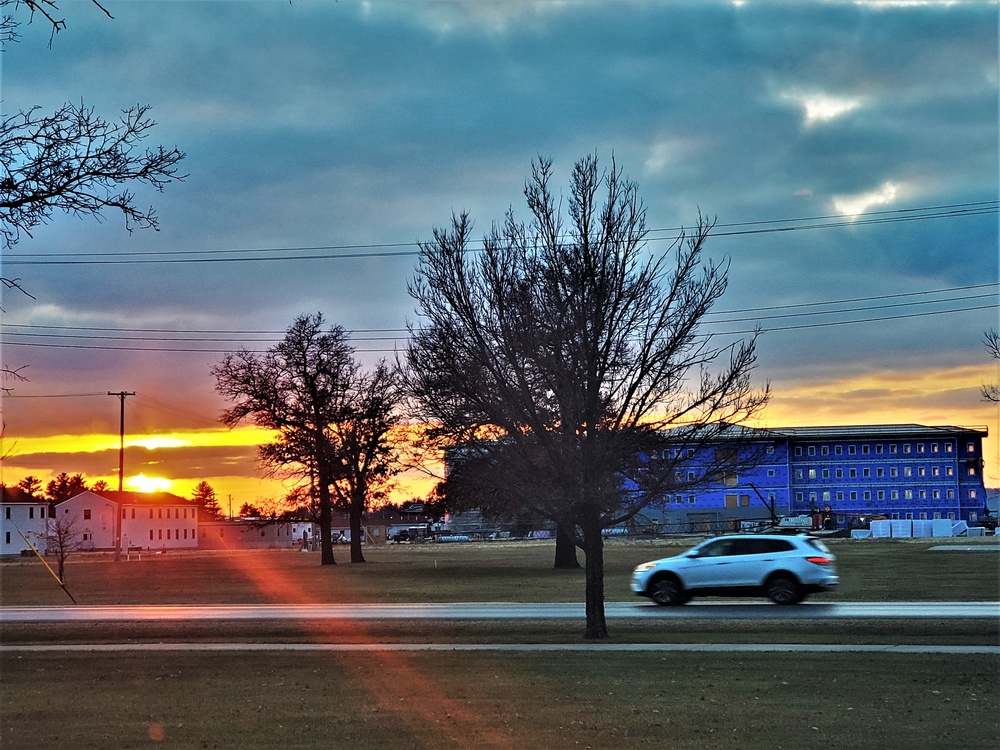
[(848, 150)]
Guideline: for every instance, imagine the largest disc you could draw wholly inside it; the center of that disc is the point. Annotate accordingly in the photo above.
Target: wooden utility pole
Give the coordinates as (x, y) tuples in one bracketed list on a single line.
[(121, 469)]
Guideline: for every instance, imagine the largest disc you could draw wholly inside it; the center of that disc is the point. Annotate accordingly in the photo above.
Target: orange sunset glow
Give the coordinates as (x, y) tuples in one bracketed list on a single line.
[(176, 461)]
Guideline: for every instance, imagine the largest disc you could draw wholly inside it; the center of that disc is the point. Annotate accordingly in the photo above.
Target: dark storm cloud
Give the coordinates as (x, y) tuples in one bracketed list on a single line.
[(337, 124)]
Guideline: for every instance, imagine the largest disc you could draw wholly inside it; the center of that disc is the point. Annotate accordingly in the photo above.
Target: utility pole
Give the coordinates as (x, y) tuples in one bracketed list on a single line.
[(121, 469)]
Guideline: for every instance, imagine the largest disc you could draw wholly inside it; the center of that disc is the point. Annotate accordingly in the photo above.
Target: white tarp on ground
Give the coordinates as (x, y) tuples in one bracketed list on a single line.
[(959, 528), (942, 526), (881, 529), (976, 531), (902, 528), (923, 528), (861, 533)]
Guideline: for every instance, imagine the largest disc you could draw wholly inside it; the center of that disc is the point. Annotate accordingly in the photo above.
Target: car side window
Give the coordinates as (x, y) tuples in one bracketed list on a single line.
[(717, 548), (776, 545)]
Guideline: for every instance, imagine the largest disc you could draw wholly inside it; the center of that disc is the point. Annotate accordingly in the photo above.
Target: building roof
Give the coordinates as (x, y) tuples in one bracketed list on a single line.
[(878, 431), (17, 495), (125, 497)]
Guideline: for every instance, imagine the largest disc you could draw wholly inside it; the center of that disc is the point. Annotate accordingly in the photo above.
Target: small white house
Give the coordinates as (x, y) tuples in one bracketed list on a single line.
[(21, 513), (148, 520)]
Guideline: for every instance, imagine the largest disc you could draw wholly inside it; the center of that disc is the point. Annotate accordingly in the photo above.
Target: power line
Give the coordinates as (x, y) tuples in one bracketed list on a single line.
[(954, 210)]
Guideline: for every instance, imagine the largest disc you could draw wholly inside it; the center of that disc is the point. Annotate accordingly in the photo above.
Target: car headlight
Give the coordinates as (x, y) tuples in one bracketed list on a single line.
[(644, 567)]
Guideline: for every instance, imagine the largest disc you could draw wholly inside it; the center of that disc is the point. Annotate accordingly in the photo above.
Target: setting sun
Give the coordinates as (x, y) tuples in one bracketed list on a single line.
[(142, 483)]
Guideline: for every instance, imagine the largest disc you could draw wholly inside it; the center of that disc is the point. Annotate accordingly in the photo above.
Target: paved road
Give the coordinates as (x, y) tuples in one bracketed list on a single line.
[(493, 611)]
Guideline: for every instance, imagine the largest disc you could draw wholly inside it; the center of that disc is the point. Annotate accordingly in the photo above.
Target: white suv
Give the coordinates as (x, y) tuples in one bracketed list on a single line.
[(785, 569)]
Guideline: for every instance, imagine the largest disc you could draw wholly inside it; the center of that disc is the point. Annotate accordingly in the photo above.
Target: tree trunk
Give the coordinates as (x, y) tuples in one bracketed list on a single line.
[(325, 535), (357, 511), (593, 549), (565, 550)]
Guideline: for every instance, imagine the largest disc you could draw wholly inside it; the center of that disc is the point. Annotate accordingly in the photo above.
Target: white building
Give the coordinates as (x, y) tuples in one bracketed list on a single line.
[(149, 520), (21, 513)]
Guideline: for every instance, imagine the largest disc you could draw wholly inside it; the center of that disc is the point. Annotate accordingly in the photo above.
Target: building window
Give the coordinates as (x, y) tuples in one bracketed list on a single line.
[(690, 499), (826, 473), (937, 494), (852, 473), (770, 449), (878, 449), (812, 450), (922, 494), (840, 473), (838, 450), (908, 494), (880, 495), (6, 512), (159, 534), (972, 494), (909, 516), (920, 447), (150, 535), (812, 473), (840, 496), (923, 516), (123, 513), (951, 516), (7, 536), (798, 450), (798, 473), (892, 449), (906, 448), (947, 447), (133, 514), (867, 495), (934, 447), (851, 450), (150, 512), (935, 471), (907, 471), (864, 450), (880, 472), (798, 497), (160, 513), (921, 471), (970, 448), (854, 495), (86, 514), (951, 494), (972, 471), (825, 450), (894, 495), (866, 472), (770, 472), (31, 513)]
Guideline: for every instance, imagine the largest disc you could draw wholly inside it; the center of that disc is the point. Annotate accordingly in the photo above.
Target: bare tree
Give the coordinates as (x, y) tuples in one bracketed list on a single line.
[(295, 389), (991, 391), (77, 162), (62, 537), (574, 353), (335, 422), (366, 444)]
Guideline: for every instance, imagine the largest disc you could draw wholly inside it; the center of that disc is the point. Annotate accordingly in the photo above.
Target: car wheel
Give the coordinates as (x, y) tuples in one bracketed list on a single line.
[(783, 590), (667, 591)]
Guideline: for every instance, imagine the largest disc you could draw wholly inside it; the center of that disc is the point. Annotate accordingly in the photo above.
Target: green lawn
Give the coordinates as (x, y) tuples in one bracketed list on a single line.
[(380, 699), (614, 701), (870, 570)]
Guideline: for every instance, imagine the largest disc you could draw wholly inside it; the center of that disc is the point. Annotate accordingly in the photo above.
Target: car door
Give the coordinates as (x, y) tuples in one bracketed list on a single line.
[(709, 567)]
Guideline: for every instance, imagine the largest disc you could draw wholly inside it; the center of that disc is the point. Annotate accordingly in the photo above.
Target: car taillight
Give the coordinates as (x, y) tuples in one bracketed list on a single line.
[(819, 560)]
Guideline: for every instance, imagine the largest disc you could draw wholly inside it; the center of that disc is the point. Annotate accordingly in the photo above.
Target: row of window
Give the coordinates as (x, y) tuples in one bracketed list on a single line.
[(31, 512), (825, 450), (907, 494), (177, 534), (178, 512), (879, 472)]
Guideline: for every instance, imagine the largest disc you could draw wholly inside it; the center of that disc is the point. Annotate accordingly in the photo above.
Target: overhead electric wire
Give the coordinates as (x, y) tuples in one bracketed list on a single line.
[(978, 208)]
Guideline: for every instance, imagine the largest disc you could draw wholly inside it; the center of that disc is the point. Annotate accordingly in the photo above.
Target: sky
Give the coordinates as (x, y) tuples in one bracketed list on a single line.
[(847, 150)]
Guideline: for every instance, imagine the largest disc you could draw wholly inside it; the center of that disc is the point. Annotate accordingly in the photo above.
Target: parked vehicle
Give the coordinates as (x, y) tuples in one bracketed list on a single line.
[(784, 568)]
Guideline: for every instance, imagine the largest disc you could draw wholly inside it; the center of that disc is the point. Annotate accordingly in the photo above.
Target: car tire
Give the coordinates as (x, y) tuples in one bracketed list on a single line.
[(667, 591), (783, 589)]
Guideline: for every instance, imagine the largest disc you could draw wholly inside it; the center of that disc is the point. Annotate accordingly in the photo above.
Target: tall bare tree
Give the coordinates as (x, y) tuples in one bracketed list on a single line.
[(335, 422), (574, 352), (295, 388), (366, 444)]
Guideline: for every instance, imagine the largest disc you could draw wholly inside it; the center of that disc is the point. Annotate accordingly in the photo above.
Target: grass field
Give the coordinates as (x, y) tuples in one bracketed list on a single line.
[(383, 699)]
